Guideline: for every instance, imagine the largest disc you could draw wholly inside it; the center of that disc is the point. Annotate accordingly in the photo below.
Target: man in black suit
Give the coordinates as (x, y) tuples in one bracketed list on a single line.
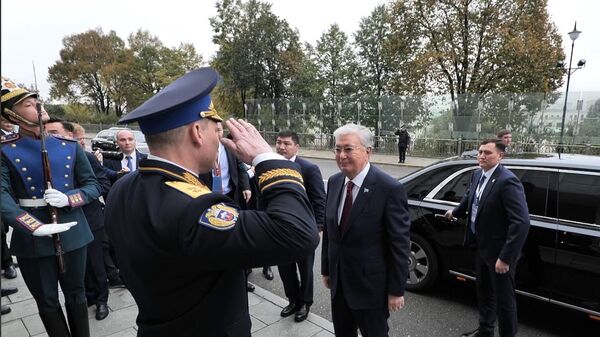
[(130, 160), (497, 223), (115, 169), (366, 240), (8, 267), (300, 291)]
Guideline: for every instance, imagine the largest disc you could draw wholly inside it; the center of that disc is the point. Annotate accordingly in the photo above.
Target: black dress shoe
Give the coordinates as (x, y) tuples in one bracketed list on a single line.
[(302, 313), (10, 272), (477, 333), (250, 287), (8, 291), (101, 311), (268, 273), (115, 282), (5, 309), (290, 309)]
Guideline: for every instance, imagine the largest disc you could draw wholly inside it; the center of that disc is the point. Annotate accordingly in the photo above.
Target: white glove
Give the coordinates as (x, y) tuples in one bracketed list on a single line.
[(53, 228), (56, 198)]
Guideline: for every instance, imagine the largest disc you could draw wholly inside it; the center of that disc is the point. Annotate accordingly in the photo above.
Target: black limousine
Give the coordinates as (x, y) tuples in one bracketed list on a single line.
[(560, 262)]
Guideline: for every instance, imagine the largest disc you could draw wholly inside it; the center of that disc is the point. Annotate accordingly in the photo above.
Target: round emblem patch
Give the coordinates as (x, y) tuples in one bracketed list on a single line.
[(220, 217)]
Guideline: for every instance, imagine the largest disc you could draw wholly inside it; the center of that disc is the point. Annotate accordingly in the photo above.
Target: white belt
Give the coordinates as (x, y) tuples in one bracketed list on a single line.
[(32, 202)]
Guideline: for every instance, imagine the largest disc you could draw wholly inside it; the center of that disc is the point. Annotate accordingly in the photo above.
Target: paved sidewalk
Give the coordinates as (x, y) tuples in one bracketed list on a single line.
[(23, 320)]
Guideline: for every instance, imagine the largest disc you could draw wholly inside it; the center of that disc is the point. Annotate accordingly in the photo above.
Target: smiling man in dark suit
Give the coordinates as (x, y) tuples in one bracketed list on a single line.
[(300, 291), (498, 223), (366, 238)]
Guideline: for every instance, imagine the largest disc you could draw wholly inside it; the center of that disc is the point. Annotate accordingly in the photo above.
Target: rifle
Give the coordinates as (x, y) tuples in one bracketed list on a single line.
[(48, 182)]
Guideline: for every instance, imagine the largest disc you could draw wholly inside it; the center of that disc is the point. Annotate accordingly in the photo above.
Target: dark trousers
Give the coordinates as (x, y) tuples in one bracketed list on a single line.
[(496, 298), (6, 258), (96, 282), (402, 153), (371, 322), (42, 278), (299, 290), (110, 264)]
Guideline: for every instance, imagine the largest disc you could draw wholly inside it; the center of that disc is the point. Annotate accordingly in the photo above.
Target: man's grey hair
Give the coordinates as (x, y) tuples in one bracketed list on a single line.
[(363, 133)]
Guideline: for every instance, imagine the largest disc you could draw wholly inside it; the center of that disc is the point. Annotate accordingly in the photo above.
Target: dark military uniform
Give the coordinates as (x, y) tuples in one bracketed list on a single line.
[(163, 218), (24, 209)]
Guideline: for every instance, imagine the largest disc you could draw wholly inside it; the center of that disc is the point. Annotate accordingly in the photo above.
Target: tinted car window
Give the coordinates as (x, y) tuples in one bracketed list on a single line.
[(579, 197), (418, 186), (455, 189), (535, 183)]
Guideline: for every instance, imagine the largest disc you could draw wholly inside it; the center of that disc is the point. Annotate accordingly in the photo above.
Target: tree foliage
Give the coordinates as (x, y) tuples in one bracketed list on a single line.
[(100, 70)]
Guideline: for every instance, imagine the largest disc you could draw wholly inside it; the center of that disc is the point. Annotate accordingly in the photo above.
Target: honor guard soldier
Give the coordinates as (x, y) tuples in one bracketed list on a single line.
[(162, 217), (44, 183)]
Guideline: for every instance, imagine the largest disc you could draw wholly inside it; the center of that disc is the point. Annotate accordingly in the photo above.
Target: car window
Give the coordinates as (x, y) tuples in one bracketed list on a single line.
[(579, 197), (104, 134), (535, 183), (456, 188), (419, 185), (139, 137)]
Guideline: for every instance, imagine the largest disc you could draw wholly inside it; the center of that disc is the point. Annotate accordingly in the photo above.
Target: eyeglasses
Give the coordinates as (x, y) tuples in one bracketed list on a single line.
[(348, 150)]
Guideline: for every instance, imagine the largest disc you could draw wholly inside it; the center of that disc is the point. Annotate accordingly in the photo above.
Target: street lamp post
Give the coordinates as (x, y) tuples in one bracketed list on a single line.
[(573, 35)]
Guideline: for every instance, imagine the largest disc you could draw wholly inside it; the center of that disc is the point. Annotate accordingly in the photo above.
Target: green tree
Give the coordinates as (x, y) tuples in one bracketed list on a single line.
[(477, 47), (591, 123), (259, 53), (81, 71)]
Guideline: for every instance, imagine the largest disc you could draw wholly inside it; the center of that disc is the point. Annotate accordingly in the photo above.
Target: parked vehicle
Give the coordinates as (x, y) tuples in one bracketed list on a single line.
[(106, 140), (560, 262)]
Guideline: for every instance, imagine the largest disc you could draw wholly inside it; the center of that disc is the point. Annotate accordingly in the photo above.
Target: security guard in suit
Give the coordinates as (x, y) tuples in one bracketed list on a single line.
[(162, 217), (25, 201)]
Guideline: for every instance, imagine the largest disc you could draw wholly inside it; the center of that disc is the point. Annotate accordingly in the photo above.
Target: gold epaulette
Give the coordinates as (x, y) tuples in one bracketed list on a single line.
[(278, 176), (193, 190)]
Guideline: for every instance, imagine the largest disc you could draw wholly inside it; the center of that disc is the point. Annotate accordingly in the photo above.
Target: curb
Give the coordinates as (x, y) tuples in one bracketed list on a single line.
[(280, 302)]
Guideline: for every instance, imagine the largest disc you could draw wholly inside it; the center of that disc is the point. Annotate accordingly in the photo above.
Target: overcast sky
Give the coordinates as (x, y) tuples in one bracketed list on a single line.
[(32, 31)]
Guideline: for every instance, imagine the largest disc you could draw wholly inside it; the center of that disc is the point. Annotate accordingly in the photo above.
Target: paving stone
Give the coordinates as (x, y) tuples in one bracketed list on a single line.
[(256, 324), (34, 324), (266, 312), (131, 332), (14, 328), (289, 328), (114, 323)]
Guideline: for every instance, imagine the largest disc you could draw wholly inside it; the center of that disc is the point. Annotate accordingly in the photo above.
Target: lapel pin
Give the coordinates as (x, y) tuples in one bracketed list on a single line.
[(366, 190)]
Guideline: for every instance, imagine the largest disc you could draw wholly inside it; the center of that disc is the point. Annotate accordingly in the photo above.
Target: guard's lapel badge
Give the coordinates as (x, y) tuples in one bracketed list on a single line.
[(220, 217), (366, 190)]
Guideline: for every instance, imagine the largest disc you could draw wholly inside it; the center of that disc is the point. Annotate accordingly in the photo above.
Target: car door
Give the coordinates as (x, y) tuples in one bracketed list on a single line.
[(577, 271), (533, 276)]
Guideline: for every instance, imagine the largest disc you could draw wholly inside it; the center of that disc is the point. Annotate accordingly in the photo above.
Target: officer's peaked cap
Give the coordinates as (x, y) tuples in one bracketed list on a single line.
[(184, 101)]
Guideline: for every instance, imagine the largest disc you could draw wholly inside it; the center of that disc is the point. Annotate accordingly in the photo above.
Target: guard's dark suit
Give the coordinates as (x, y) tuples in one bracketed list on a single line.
[(501, 227), (238, 178), (96, 284), (162, 216), (370, 259), (301, 290), (113, 166), (22, 181)]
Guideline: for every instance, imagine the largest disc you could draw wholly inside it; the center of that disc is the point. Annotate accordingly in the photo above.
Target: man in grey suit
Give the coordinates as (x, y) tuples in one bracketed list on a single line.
[(497, 223), (366, 238)]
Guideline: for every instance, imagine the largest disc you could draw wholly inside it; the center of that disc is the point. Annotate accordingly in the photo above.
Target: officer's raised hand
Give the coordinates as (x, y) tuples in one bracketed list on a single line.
[(56, 198), (53, 228), (247, 142)]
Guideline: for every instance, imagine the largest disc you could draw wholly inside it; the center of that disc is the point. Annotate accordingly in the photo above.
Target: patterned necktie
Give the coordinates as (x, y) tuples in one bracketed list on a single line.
[(347, 207), (476, 197), (217, 183), (129, 163)]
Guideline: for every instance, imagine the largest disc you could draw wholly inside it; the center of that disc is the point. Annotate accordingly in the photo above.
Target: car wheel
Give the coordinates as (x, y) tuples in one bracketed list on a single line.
[(423, 266)]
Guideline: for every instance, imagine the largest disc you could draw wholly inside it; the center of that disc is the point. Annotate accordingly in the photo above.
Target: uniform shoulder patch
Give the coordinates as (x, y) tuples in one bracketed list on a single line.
[(220, 217), (11, 137), (192, 190)]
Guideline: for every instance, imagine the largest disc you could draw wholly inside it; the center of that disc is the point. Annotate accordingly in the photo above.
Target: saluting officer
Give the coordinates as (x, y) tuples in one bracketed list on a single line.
[(162, 217), (24, 206)]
